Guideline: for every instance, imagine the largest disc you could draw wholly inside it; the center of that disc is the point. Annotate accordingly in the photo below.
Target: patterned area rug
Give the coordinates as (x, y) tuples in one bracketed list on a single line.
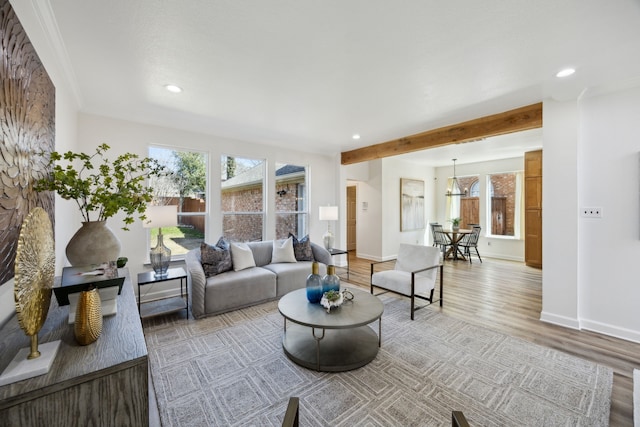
[(230, 370)]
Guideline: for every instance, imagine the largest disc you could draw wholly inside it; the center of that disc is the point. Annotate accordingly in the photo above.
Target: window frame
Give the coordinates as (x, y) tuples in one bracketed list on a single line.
[(204, 214), (302, 214)]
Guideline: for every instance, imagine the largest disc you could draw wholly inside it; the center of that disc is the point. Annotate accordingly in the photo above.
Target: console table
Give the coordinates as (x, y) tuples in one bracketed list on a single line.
[(105, 383)]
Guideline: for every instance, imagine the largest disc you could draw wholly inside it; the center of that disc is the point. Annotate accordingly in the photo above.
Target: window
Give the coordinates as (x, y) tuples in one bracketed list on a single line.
[(502, 203), (291, 201), (184, 186), (242, 198)]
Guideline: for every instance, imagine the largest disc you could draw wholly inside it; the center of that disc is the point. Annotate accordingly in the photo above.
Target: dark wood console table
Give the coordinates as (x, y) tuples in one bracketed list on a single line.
[(105, 383)]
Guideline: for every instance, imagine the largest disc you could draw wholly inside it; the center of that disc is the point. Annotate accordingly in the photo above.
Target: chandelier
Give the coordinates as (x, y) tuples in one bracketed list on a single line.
[(455, 188)]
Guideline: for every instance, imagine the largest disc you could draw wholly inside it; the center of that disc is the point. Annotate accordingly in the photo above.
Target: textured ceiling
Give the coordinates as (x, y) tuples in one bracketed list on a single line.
[(309, 74)]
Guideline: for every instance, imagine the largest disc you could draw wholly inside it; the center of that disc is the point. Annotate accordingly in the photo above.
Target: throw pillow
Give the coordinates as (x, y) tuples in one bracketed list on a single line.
[(215, 259), (302, 248), (241, 256), (283, 251)]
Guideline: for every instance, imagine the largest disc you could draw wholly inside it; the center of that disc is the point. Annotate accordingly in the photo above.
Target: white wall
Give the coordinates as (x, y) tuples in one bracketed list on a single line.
[(560, 213), (66, 107), (609, 248), (136, 138), (592, 159), (369, 219), (393, 170)]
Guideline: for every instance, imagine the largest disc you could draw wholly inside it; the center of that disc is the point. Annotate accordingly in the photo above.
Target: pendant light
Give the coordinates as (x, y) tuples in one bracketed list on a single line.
[(455, 188)]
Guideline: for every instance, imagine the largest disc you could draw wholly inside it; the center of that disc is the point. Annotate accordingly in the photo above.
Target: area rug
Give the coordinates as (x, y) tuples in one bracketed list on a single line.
[(230, 370)]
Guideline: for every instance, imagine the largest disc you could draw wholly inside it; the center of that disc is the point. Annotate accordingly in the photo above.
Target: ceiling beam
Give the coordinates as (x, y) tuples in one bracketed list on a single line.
[(523, 118)]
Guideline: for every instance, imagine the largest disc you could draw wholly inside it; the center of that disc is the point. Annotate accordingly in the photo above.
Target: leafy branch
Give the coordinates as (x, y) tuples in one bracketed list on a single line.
[(102, 188)]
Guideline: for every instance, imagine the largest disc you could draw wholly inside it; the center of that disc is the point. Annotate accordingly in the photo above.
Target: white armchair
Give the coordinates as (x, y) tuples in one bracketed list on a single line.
[(414, 275)]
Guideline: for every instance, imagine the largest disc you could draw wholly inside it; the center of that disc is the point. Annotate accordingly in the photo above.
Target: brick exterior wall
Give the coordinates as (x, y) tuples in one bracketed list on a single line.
[(244, 228)]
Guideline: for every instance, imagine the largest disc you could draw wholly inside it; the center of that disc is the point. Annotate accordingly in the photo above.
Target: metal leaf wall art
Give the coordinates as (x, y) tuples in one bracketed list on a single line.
[(27, 130)]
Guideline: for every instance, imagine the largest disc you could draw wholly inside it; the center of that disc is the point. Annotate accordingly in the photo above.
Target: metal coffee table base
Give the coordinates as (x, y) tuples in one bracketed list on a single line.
[(330, 350)]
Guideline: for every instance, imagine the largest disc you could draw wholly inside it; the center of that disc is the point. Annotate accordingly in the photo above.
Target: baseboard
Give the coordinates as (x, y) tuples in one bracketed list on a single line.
[(567, 322), (614, 331), (598, 327), (501, 256), (373, 258)]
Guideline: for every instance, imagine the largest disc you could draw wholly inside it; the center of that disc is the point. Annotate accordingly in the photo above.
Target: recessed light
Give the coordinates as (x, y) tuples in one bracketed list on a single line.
[(355, 136), (566, 72), (173, 88)]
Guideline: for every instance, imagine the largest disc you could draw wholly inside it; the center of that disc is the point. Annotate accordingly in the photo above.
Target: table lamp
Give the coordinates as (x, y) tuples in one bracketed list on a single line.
[(328, 213), (161, 216)]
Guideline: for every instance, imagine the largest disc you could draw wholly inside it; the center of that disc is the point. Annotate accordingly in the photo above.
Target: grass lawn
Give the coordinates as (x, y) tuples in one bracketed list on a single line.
[(179, 239)]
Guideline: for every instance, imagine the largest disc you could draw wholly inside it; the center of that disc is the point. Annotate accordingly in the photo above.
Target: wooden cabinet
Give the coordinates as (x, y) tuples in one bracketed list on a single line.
[(533, 208), (102, 384)]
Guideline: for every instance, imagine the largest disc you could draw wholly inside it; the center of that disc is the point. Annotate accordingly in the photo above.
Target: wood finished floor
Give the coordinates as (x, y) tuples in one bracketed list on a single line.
[(506, 296)]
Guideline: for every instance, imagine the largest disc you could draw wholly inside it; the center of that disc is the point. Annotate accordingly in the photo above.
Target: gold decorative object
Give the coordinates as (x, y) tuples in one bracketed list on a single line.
[(88, 325), (34, 273)]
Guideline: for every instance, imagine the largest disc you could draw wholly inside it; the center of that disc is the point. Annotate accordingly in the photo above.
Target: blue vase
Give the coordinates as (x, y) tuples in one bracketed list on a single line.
[(314, 285), (331, 282)]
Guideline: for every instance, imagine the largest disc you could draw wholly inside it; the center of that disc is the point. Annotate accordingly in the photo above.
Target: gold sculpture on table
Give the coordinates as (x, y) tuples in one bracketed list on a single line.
[(34, 273)]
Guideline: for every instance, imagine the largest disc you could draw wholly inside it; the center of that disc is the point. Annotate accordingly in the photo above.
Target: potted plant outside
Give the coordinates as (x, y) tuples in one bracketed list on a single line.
[(101, 188)]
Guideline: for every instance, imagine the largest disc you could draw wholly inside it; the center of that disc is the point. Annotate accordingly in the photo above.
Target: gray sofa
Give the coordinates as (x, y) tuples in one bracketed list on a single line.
[(236, 289)]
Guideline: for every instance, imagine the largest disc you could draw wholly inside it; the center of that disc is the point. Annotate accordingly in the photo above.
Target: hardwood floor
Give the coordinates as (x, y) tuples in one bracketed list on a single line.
[(507, 296)]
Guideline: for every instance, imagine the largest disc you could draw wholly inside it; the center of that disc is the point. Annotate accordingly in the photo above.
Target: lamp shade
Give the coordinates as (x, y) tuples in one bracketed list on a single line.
[(328, 213), (161, 216)]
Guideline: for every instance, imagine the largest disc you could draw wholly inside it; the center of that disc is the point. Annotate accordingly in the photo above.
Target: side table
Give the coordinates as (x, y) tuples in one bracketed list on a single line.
[(164, 305), (335, 251)]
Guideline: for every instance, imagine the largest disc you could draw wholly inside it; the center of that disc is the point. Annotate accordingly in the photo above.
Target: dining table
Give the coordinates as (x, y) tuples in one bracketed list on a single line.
[(455, 236)]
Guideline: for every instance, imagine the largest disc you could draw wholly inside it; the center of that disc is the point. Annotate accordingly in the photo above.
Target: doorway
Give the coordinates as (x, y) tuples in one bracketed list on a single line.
[(351, 218)]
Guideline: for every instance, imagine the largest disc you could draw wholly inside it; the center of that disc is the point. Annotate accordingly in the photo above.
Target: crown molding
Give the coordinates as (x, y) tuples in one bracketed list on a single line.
[(48, 24)]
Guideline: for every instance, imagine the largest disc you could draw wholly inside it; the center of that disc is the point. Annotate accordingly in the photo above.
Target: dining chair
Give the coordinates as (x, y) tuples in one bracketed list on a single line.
[(414, 274), (471, 241), (440, 238), (433, 225)]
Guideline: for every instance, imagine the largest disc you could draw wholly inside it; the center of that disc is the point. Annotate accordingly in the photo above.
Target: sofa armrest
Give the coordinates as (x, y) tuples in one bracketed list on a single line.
[(320, 254), (198, 281)]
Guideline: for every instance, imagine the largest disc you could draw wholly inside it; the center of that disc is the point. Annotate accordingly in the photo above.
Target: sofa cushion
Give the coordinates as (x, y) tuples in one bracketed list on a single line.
[(236, 289), (241, 256), (215, 259), (293, 276), (282, 251), (302, 248)]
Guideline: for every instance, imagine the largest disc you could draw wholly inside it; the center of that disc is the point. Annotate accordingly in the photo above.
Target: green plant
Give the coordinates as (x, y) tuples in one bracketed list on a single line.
[(104, 188), (455, 222), (332, 296)]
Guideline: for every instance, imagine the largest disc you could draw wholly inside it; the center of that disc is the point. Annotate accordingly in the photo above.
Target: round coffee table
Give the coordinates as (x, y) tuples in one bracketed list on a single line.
[(331, 342)]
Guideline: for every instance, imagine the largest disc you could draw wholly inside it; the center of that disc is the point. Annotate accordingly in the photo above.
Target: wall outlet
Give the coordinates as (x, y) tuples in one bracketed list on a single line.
[(591, 212), (488, 243)]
